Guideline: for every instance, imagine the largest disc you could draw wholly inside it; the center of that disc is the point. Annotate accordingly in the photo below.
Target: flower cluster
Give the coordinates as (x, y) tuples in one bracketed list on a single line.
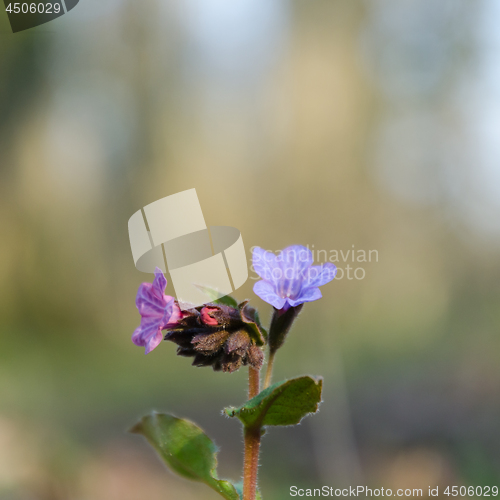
[(229, 336), (220, 336), (216, 335)]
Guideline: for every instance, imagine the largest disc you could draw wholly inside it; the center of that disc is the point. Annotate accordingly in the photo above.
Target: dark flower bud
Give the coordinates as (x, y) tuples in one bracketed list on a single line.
[(255, 355), (220, 336), (281, 323), (238, 343)]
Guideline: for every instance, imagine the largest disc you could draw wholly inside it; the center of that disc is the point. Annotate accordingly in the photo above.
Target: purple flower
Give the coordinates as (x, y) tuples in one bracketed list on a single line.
[(289, 278), (158, 311)]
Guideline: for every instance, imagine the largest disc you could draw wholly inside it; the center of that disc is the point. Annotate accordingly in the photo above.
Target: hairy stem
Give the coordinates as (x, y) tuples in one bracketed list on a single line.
[(252, 443), (252, 446), (253, 382), (269, 370)]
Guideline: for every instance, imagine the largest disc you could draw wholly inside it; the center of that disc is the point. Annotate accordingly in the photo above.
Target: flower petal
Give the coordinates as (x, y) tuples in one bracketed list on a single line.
[(159, 283), (154, 341), (157, 310), (147, 334), (175, 314), (267, 293), (306, 295), (137, 337), (297, 256), (320, 275), (265, 264), (149, 303), (294, 262)]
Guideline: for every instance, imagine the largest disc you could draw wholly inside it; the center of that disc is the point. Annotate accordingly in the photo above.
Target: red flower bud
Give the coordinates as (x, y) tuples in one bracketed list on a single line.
[(205, 316)]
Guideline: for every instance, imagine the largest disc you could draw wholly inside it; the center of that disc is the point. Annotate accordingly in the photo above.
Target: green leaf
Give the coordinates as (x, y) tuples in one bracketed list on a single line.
[(227, 300), (186, 449), (216, 298), (284, 403)]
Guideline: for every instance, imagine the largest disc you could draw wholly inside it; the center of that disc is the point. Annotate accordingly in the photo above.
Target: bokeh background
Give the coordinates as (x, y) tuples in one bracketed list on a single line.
[(366, 124)]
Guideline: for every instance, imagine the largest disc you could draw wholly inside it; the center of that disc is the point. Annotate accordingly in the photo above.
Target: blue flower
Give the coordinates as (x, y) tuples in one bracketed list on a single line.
[(289, 278)]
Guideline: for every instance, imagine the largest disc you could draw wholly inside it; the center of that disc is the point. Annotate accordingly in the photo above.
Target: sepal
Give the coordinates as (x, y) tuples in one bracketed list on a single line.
[(281, 323)]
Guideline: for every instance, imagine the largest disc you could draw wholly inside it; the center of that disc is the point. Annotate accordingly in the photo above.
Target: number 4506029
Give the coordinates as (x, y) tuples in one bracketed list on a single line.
[(34, 8), (478, 491)]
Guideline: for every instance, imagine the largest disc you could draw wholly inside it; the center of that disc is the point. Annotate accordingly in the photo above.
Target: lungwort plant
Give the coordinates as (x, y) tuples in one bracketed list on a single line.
[(227, 336)]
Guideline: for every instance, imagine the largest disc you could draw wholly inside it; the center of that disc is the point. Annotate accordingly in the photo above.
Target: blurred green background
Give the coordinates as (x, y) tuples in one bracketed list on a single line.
[(365, 124)]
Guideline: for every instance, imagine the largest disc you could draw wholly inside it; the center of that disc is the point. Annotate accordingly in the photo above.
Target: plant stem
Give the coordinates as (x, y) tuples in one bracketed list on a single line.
[(252, 446), (253, 382), (269, 370), (252, 443)]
